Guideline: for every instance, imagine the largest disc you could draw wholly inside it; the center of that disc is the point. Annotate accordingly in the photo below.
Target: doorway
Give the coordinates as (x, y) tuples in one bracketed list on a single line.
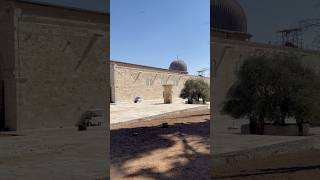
[(112, 95)]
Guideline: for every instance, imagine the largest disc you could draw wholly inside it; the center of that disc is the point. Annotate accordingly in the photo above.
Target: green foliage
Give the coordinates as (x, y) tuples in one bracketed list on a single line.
[(274, 88), (194, 90)]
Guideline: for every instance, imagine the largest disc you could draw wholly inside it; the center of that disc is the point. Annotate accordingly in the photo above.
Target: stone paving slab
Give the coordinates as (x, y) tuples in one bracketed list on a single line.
[(229, 145), (132, 111), (231, 148), (54, 154), (315, 132)]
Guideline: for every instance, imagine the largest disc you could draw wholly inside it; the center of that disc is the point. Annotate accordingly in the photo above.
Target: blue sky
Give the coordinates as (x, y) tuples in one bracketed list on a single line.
[(265, 17), (154, 32)]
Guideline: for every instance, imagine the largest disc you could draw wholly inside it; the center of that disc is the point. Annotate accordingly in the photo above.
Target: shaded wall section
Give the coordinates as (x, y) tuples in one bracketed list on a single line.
[(7, 64)]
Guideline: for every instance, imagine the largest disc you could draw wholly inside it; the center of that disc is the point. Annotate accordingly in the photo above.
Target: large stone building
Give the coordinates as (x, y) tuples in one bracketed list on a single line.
[(231, 45), (52, 62), (129, 81)]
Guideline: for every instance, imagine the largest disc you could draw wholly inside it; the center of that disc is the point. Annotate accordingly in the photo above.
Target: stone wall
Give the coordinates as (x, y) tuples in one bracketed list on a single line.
[(130, 81), (60, 65)]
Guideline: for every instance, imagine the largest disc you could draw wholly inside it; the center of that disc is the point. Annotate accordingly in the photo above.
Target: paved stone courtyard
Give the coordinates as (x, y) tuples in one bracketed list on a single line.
[(293, 166), (69, 154), (289, 158), (54, 154), (123, 112)]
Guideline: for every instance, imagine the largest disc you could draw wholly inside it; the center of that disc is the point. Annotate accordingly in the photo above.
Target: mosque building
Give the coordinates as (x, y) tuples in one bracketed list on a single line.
[(129, 81)]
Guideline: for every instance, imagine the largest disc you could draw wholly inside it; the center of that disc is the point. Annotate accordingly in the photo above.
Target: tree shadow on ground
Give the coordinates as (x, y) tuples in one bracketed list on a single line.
[(130, 144)]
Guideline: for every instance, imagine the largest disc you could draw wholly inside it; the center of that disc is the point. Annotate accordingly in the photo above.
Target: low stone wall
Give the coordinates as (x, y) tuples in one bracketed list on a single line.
[(164, 115), (286, 130), (315, 124)]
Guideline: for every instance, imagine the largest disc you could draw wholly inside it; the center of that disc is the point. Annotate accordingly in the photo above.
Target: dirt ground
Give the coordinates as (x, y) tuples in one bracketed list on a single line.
[(145, 150)]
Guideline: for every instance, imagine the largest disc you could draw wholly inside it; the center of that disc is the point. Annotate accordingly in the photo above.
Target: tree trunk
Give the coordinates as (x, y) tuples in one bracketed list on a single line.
[(253, 126), (300, 126), (260, 126), (283, 119)]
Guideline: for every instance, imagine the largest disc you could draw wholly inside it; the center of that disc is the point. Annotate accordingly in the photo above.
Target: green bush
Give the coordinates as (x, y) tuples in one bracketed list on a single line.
[(194, 90), (274, 88)]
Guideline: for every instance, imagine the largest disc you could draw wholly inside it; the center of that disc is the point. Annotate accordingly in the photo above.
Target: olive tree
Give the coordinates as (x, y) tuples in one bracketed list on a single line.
[(194, 90), (273, 88)]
